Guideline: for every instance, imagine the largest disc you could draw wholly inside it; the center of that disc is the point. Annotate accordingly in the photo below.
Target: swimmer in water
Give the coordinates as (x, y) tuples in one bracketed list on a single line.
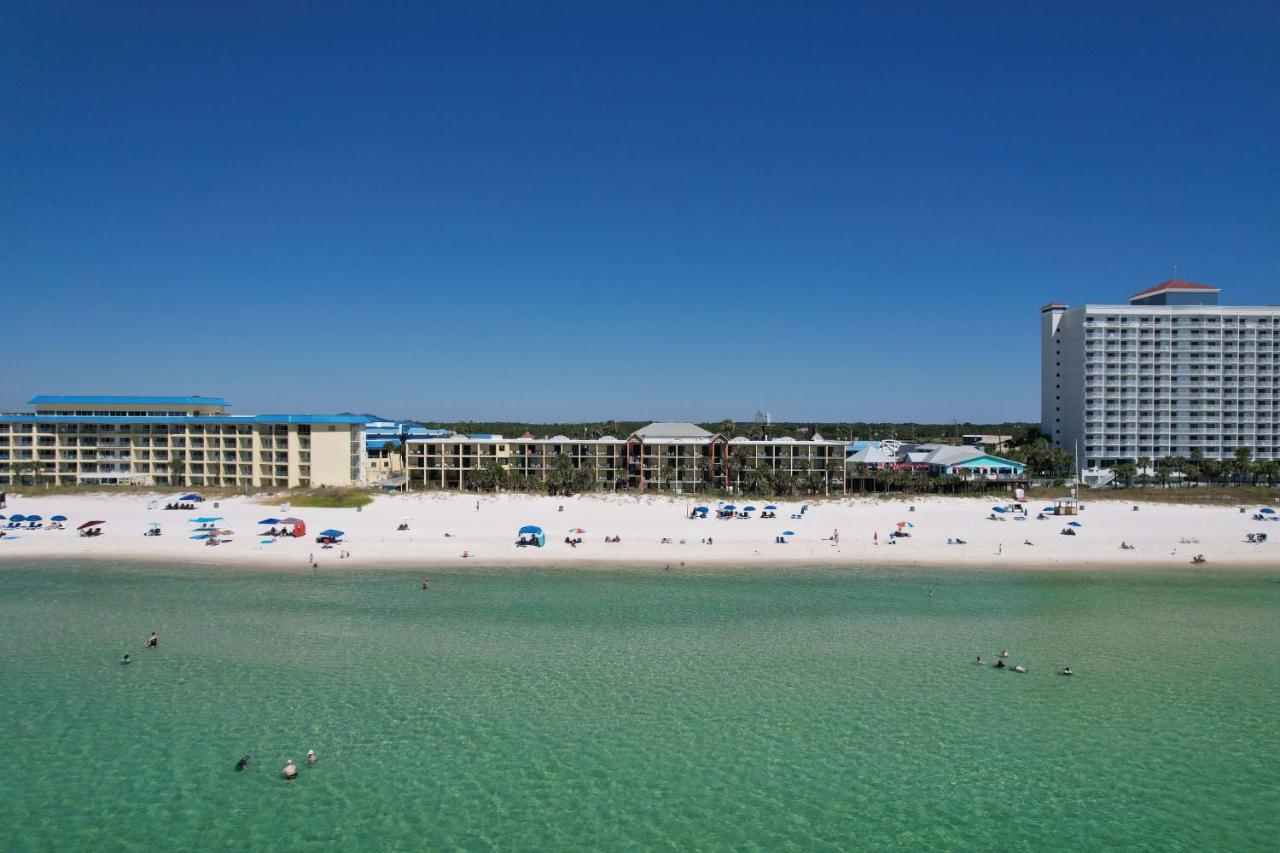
[(126, 660), (152, 641), (290, 770), (1005, 653), (1000, 664), (980, 661), (311, 756), (242, 764)]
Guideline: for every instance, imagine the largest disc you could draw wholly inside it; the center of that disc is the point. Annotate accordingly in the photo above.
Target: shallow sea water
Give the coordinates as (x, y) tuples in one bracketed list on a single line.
[(629, 710)]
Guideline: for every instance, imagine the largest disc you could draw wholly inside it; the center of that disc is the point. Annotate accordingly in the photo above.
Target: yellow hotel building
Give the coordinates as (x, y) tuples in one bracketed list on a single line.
[(177, 441)]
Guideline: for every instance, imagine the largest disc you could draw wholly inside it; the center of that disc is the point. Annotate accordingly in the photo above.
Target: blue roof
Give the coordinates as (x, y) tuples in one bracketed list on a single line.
[(378, 444), (49, 399), (186, 419)]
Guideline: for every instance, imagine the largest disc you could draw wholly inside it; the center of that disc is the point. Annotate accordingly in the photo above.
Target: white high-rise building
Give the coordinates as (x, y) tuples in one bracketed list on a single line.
[(1168, 374)]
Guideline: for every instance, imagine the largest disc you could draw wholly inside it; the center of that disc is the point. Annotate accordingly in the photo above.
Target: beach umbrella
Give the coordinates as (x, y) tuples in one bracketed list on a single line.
[(902, 524), (269, 521), (1268, 510), (576, 530), (695, 509), (90, 524), (997, 509), (331, 533), (266, 541), (191, 497), (17, 517), (528, 528), (748, 509), (770, 506), (2, 518), (1047, 509), (200, 536), (54, 518), (209, 520), (35, 518), (730, 506), (788, 533), (1074, 524), (291, 521)]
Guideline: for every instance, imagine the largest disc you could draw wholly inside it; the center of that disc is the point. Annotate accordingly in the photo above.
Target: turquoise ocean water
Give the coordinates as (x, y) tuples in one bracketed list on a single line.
[(563, 710)]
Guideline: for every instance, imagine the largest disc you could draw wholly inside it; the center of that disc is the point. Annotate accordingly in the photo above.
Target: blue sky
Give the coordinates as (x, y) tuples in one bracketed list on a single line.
[(584, 211)]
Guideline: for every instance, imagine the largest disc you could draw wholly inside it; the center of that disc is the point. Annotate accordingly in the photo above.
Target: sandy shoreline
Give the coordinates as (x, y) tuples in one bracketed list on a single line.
[(488, 534)]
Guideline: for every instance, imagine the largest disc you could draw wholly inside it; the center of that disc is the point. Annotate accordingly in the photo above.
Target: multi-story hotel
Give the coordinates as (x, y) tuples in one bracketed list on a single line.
[(672, 456), (188, 441), (1169, 374)]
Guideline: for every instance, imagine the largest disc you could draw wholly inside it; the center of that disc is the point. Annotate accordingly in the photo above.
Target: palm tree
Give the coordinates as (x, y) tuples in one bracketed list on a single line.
[(727, 426), (1242, 463), (176, 469), (1144, 469)]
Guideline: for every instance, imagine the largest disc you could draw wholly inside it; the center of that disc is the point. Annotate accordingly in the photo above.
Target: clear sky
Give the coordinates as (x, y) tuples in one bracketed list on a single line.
[(630, 210)]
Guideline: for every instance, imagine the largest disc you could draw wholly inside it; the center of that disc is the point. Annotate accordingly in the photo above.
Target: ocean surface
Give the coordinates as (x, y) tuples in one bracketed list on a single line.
[(603, 710)]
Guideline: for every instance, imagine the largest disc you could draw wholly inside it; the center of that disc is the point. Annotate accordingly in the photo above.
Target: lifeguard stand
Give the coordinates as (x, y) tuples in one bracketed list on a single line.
[(1066, 506)]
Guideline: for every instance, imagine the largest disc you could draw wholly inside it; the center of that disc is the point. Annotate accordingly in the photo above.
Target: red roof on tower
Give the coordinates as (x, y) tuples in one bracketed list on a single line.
[(1175, 284)]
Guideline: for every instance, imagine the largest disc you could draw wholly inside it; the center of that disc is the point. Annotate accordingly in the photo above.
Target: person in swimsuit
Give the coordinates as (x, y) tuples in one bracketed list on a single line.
[(290, 770), (242, 764)]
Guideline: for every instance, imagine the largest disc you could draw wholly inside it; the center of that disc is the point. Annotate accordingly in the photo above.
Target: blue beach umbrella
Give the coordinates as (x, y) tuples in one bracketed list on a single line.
[(2, 517), (700, 509), (35, 518), (56, 518), (201, 536), (1047, 509), (997, 509), (191, 497), (266, 541), (331, 533), (748, 509), (1268, 510), (770, 506), (269, 521), (788, 533), (729, 506), (1074, 524), (17, 518), (209, 520), (528, 528)]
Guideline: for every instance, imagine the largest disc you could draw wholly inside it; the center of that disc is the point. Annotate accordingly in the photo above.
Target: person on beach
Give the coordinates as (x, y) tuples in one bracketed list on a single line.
[(311, 756), (290, 770)]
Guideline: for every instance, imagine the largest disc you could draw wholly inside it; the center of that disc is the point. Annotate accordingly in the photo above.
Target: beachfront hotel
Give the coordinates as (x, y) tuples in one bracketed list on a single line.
[(186, 441), (1169, 374), (674, 456), (683, 457)]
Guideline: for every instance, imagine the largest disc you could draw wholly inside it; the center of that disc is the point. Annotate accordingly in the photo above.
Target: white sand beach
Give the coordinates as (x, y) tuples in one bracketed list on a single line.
[(444, 527)]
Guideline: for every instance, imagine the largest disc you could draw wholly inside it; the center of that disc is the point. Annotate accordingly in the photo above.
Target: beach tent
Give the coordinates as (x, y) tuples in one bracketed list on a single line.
[(90, 524), (534, 534), (269, 521), (210, 520), (191, 497)]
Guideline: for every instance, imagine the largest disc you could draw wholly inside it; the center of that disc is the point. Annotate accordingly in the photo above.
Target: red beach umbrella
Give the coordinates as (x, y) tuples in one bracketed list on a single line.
[(90, 524)]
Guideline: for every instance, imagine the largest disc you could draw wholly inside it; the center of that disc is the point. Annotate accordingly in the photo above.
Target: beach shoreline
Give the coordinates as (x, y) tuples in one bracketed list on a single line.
[(445, 526)]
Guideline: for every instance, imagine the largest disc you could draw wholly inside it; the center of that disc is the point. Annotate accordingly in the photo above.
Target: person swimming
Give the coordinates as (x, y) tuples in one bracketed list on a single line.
[(152, 641), (1000, 664), (980, 661), (311, 756), (290, 770), (1066, 670), (1005, 653), (242, 764), (126, 660)]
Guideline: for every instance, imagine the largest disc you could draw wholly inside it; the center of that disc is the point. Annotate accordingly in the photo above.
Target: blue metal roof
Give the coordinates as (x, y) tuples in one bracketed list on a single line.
[(198, 419), (73, 399)]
